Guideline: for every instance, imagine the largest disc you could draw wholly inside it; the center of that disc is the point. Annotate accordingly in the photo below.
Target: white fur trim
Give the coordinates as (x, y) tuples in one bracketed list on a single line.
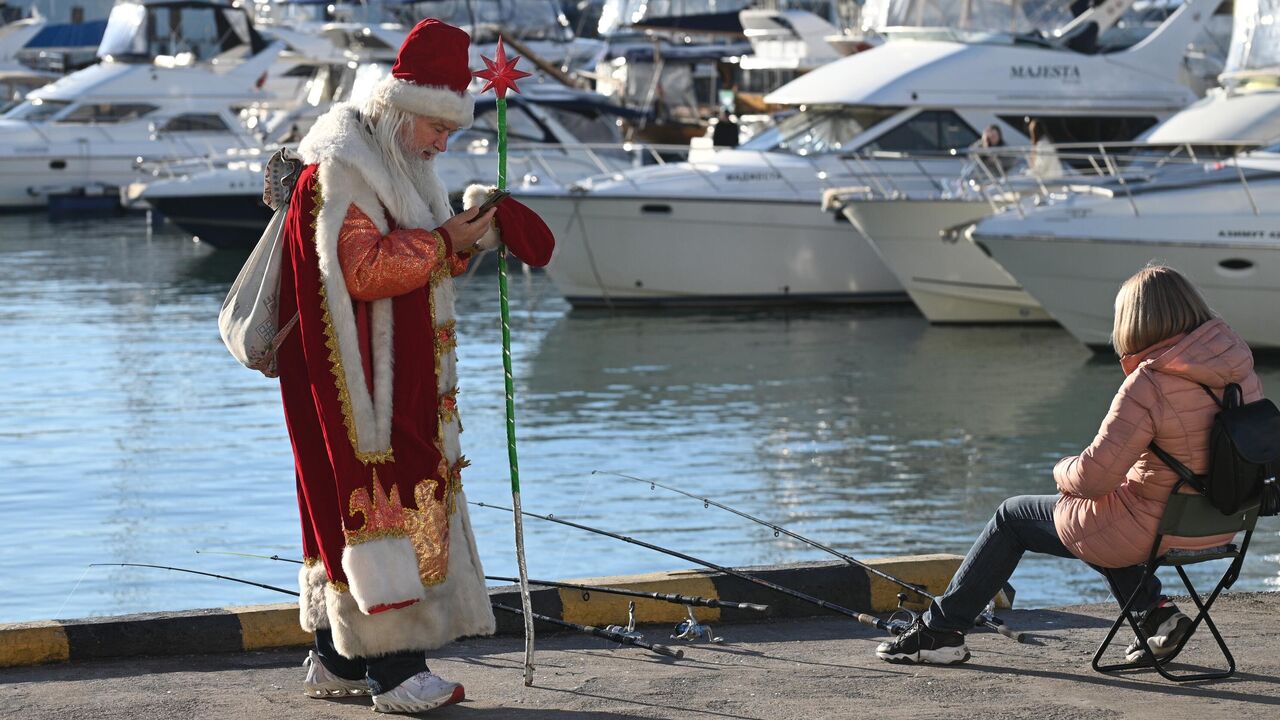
[(382, 572), (352, 173), (311, 606), (339, 137), (371, 412), (431, 101), (472, 196), (457, 607)]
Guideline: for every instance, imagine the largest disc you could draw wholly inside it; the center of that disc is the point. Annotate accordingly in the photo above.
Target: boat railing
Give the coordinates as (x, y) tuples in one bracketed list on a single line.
[(802, 175), (1011, 178)]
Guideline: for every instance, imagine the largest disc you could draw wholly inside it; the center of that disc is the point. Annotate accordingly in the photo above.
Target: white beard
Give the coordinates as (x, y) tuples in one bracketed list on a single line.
[(413, 173)]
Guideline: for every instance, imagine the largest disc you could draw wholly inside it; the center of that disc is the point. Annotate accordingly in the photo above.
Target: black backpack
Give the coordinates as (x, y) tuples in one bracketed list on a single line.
[(1244, 451)]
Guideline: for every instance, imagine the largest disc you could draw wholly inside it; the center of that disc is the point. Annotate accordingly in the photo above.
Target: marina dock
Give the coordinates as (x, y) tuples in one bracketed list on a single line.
[(814, 669)]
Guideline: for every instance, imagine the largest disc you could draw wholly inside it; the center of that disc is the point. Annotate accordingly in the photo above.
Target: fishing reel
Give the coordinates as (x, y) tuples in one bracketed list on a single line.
[(630, 629), (691, 629), (903, 617)]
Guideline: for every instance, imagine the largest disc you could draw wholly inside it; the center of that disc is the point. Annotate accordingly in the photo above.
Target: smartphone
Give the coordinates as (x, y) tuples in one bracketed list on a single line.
[(492, 200)]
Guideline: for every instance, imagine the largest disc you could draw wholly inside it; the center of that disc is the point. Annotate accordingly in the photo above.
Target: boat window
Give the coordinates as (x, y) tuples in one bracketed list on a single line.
[(195, 122), (520, 128), (587, 127), (1087, 128), (37, 110), (812, 132), (106, 113), (928, 131)]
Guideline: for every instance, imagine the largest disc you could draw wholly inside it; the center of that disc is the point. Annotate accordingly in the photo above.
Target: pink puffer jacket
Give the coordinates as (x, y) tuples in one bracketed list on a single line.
[(1114, 492)]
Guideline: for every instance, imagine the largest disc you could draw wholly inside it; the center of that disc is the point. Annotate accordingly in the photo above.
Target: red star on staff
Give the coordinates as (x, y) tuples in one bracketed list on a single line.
[(501, 73)]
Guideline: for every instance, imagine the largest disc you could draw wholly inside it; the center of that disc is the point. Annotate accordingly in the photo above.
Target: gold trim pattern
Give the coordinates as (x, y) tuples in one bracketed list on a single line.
[(344, 393), (426, 525)]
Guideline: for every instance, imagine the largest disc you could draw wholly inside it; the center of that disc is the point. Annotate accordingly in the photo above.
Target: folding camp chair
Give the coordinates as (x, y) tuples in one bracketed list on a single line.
[(1187, 515)]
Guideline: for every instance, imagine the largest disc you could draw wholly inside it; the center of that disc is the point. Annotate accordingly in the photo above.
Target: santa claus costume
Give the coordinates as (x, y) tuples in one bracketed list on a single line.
[(368, 381)]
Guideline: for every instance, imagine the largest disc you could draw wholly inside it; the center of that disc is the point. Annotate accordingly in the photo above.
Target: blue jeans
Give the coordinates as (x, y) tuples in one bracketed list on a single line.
[(1020, 524)]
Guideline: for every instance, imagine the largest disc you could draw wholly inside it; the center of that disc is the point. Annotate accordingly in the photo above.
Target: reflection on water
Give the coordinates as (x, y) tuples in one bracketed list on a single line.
[(132, 436)]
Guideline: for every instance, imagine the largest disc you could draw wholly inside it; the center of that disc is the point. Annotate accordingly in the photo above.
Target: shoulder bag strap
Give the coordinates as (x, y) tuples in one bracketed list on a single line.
[(1209, 391), (1182, 471)]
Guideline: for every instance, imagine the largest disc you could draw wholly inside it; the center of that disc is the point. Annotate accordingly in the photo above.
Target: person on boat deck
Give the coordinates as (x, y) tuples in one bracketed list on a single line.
[(1042, 159), (1111, 496), (998, 165), (369, 379), (725, 133)]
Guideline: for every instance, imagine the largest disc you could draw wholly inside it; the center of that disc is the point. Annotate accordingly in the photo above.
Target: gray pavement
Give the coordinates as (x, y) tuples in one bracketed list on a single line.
[(780, 670)]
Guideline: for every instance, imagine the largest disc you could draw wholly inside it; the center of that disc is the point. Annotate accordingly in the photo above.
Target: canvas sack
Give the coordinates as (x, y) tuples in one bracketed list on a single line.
[(249, 321)]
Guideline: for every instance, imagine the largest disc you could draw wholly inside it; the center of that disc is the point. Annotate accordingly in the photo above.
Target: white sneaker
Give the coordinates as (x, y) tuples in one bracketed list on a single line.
[(422, 692), (320, 683)]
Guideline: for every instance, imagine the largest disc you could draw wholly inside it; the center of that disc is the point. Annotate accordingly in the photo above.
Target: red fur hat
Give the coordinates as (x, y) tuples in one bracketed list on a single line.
[(431, 74)]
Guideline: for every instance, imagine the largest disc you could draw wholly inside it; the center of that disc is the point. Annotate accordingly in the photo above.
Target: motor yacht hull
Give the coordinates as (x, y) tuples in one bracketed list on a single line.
[(223, 221), (1076, 278), (949, 279), (707, 251)]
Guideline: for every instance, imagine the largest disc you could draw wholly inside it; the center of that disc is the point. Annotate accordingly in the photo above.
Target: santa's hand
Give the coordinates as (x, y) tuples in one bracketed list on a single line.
[(465, 228)]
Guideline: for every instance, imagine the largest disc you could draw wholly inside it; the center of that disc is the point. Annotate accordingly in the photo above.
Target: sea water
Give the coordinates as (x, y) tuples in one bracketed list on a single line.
[(130, 435)]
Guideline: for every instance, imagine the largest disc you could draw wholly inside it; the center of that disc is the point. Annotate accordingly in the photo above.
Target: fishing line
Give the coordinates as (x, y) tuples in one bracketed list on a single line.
[(73, 591), (893, 627), (987, 619)]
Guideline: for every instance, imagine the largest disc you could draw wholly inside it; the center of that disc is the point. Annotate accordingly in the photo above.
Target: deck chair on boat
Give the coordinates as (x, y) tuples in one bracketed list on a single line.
[(1186, 515)]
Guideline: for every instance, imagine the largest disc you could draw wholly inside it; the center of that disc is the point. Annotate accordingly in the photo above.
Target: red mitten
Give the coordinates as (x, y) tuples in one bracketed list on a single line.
[(524, 233)]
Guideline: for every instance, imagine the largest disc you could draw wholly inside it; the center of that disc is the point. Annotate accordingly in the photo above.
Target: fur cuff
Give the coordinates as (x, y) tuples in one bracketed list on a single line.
[(312, 579), (439, 102), (473, 196), (383, 575)]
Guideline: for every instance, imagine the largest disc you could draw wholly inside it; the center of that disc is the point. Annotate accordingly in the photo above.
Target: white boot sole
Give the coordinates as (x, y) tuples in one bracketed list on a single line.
[(334, 691), (388, 706), (944, 656)]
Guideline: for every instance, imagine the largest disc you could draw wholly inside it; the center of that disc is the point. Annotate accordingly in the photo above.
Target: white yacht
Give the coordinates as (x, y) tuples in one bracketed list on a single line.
[(1247, 105), (16, 80), (954, 282), (1218, 222), (745, 225), (557, 135), (154, 95)]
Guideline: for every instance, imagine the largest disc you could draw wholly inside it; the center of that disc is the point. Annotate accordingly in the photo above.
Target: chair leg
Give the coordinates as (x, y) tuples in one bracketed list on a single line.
[(1202, 615), (1126, 613)]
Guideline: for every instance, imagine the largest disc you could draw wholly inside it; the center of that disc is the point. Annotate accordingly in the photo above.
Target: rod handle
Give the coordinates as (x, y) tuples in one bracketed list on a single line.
[(1005, 630), (676, 653)]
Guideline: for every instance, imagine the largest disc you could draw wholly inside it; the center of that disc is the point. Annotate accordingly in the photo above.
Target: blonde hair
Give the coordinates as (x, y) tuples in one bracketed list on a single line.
[(1155, 304)]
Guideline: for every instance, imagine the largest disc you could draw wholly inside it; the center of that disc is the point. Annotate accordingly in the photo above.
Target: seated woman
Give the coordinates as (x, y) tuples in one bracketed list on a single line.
[(1110, 496)]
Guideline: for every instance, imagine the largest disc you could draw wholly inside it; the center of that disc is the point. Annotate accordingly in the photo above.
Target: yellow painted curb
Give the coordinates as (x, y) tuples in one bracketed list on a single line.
[(33, 644), (603, 609), (934, 572), (270, 626)]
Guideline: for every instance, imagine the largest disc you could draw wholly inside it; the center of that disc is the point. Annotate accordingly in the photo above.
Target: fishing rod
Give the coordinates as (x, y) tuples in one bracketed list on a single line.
[(892, 627), (665, 597), (986, 619), (198, 572), (588, 629), (619, 638), (249, 555)]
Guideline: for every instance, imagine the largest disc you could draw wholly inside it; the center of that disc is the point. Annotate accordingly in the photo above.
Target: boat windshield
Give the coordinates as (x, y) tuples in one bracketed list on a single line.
[(813, 132), (36, 110), (107, 113), (529, 19)]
